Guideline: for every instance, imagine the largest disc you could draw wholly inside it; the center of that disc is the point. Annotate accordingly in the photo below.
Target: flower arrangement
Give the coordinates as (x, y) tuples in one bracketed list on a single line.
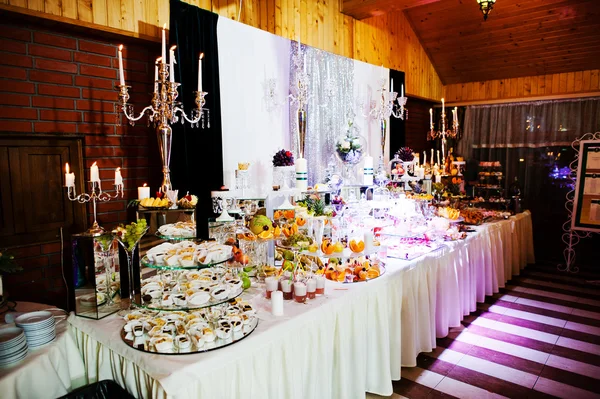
[(405, 154), (349, 147), (283, 158), (8, 264)]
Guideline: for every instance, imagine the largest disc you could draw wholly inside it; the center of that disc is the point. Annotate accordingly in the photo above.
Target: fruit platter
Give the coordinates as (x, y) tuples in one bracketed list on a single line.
[(177, 231), (352, 270), (189, 289), (329, 249), (187, 255), (156, 203), (178, 332)]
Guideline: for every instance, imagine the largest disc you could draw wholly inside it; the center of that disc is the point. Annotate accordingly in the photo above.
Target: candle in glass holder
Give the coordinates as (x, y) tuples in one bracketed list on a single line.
[(320, 285), (277, 303), (69, 177), (270, 286), (300, 292), (143, 192), (311, 288), (286, 288)]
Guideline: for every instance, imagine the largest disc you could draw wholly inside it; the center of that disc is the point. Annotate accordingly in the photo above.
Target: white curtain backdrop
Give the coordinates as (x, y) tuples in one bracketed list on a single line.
[(248, 57)]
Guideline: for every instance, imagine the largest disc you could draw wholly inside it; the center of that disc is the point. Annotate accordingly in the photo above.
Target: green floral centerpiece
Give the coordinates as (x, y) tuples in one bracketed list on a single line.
[(316, 206), (350, 146)]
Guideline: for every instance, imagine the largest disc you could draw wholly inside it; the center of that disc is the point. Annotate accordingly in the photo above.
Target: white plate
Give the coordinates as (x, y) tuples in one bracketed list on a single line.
[(41, 324), (13, 354), (33, 318), (16, 359), (37, 344), (13, 343), (7, 335), (41, 331)]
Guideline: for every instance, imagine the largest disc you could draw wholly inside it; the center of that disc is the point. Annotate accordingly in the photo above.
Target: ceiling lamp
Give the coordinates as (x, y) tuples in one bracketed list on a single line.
[(486, 7)]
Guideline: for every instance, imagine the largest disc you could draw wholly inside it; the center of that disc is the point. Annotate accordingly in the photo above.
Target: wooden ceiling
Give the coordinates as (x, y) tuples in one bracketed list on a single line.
[(361, 9), (520, 37)]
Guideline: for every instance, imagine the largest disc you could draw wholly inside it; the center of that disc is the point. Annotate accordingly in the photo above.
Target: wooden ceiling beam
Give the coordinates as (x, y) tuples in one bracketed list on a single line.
[(362, 9)]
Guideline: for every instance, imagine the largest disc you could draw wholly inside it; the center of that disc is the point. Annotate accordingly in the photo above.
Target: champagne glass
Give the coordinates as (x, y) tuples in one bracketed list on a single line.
[(129, 239)]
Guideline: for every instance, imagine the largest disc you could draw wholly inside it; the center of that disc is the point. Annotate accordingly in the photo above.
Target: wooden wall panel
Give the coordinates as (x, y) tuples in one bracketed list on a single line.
[(571, 83), (387, 39)]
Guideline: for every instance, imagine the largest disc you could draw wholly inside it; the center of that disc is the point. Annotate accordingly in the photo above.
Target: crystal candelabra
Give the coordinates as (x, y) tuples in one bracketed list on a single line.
[(271, 99), (444, 133), (96, 195), (299, 96), (164, 111), (389, 104)]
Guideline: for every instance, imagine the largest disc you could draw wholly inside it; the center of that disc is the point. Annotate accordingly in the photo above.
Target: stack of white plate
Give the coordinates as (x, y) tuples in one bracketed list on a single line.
[(13, 345), (39, 327)]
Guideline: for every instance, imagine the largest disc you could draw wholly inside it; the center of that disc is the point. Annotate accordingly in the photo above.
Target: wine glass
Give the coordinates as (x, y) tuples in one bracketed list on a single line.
[(129, 239)]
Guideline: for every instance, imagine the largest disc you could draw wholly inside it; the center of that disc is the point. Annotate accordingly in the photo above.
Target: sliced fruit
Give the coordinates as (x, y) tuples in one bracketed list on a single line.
[(300, 221), (277, 231), (338, 247), (313, 247), (357, 246), (277, 214), (372, 273), (266, 235), (341, 277), (289, 214), (244, 259)]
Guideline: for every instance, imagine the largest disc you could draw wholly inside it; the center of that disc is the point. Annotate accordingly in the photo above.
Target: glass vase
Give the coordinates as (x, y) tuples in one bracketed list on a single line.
[(130, 244)]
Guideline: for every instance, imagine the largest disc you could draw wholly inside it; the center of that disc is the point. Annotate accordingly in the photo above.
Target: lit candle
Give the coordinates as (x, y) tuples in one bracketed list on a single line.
[(143, 192), (69, 177), (200, 72), (431, 116), (438, 157), (164, 42), (118, 177), (443, 107), (172, 63), (432, 158), (121, 72), (94, 174), (424, 157), (158, 61), (392, 89)]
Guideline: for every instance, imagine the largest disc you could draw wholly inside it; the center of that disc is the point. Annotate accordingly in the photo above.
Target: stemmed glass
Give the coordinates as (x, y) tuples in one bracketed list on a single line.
[(129, 239), (107, 253)]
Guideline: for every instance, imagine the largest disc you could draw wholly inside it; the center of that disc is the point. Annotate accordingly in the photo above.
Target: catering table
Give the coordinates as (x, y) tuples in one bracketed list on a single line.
[(49, 371), (353, 340)]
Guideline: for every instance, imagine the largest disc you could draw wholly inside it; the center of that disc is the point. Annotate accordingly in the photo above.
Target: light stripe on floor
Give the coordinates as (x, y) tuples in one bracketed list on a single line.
[(516, 330), (460, 389)]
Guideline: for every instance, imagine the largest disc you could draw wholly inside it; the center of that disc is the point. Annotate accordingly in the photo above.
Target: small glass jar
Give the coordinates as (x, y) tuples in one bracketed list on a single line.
[(270, 286), (300, 292), (311, 288), (287, 289)]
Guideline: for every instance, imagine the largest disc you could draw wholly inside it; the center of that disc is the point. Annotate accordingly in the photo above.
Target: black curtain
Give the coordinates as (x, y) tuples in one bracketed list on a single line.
[(397, 125), (197, 154)]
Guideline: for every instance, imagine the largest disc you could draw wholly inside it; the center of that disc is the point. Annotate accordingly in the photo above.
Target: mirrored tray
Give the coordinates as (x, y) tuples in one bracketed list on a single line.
[(347, 253), (174, 238), (142, 343), (155, 305), (146, 262)]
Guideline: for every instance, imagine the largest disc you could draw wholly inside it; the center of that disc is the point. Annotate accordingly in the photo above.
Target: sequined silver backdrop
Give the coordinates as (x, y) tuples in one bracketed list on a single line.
[(329, 108)]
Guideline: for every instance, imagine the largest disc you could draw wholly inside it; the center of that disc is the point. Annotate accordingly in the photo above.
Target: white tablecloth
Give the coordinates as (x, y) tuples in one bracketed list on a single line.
[(50, 371), (353, 340)]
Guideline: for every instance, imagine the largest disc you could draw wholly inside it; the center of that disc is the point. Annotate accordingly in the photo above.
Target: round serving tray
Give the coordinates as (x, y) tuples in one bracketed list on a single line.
[(381, 273), (142, 343), (210, 303), (175, 238), (146, 262), (346, 254)]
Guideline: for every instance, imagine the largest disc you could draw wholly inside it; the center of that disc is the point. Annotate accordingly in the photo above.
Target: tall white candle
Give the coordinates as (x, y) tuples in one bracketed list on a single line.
[(431, 116), (438, 157), (402, 90), (200, 72), (368, 240), (121, 72), (164, 43), (69, 177), (172, 63), (424, 157), (392, 89), (301, 174), (432, 158), (443, 106), (143, 192), (158, 61), (277, 303), (94, 173), (368, 171), (118, 177)]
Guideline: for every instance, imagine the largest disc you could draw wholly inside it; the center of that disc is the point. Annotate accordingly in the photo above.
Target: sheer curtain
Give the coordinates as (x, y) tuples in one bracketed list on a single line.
[(532, 140)]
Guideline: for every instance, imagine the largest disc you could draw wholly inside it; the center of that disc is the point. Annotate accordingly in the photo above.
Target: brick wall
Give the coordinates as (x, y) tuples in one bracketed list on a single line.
[(58, 80)]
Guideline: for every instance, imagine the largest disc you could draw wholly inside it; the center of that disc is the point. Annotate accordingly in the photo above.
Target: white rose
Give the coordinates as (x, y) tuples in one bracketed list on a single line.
[(346, 145)]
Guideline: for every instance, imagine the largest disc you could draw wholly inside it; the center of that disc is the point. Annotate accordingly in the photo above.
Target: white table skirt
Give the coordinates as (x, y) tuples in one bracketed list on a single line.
[(49, 371), (352, 341)]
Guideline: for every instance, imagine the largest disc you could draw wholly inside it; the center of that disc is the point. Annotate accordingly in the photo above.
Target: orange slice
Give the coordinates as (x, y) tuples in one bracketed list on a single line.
[(300, 221)]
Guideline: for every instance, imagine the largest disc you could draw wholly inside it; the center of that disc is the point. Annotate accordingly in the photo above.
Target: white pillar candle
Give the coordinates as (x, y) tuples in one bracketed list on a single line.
[(94, 173), (431, 116), (424, 157), (118, 177), (200, 72), (402, 90), (172, 63), (158, 61), (301, 174), (443, 106), (143, 192), (277, 303), (438, 157), (392, 89), (368, 240), (69, 177), (368, 171), (164, 43), (432, 158), (121, 72)]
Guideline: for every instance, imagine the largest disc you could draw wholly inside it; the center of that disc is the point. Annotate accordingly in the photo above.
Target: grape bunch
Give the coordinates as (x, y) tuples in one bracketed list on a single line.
[(283, 158), (131, 234), (405, 154)]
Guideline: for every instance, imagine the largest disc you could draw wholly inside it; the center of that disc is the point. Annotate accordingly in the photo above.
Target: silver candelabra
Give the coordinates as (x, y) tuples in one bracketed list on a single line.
[(96, 195), (164, 111), (388, 104), (444, 132)]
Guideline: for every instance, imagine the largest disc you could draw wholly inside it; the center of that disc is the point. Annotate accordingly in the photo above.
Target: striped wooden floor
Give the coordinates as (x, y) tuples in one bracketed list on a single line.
[(538, 338)]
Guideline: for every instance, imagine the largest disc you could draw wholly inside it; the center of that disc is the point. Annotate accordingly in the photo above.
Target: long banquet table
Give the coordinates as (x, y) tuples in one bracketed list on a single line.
[(353, 340)]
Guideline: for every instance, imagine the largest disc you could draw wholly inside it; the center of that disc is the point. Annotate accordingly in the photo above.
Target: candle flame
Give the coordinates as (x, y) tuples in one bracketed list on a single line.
[(118, 169), (201, 55), (173, 47), (94, 164), (442, 100), (145, 185), (120, 47), (67, 168)]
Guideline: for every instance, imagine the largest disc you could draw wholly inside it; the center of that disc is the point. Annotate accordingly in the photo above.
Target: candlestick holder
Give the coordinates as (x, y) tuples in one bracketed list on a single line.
[(444, 133), (163, 112), (299, 96), (96, 195)]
